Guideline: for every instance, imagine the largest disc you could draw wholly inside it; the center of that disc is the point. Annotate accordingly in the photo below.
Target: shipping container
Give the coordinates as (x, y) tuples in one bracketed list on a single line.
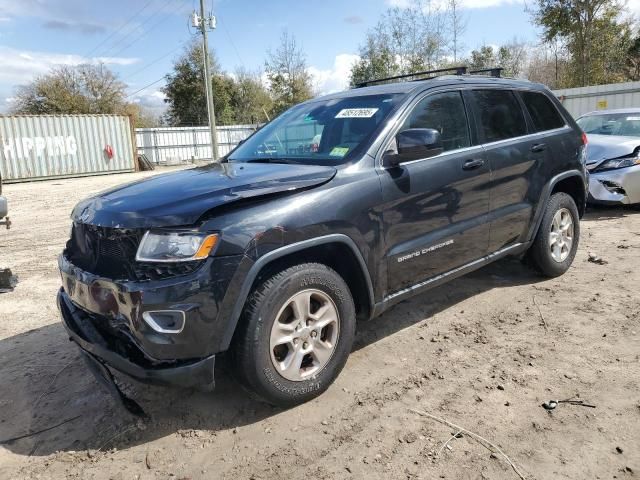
[(175, 145), (579, 101), (36, 147)]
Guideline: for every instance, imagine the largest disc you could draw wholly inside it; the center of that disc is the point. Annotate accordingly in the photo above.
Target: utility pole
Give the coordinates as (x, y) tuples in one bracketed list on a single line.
[(204, 23)]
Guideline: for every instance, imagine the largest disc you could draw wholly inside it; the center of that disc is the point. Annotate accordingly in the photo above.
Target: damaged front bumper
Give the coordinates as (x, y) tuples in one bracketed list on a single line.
[(114, 321), (620, 186), (80, 326)]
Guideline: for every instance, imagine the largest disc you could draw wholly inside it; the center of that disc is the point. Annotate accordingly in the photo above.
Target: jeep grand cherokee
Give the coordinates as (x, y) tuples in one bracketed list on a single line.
[(336, 210)]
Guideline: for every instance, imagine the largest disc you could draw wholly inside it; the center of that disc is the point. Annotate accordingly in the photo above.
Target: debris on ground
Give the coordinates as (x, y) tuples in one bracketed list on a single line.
[(593, 258), (8, 280), (552, 404), (144, 163)]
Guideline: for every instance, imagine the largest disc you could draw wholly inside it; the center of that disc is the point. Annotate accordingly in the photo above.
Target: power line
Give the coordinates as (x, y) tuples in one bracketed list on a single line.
[(153, 62), (109, 51), (119, 28), (232, 43), (135, 40), (145, 87)]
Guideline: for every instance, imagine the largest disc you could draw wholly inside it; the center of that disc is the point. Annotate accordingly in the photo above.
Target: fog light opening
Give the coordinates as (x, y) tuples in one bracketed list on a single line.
[(613, 187), (165, 321)]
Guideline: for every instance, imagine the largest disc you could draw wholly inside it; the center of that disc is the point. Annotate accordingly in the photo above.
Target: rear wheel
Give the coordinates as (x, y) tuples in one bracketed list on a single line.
[(556, 242), (295, 335)]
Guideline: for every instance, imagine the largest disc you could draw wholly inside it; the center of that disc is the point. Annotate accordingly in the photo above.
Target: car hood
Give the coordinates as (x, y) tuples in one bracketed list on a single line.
[(606, 147), (181, 198)]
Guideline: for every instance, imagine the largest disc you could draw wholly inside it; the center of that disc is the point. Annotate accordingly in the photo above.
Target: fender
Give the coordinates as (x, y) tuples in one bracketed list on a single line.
[(282, 252), (544, 198)]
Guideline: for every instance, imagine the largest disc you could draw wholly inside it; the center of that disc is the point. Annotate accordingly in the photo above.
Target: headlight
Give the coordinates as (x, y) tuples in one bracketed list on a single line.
[(175, 246), (619, 163)]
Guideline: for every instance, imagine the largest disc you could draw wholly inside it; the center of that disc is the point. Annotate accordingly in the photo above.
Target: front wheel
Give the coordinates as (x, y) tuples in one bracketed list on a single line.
[(556, 242), (296, 333)]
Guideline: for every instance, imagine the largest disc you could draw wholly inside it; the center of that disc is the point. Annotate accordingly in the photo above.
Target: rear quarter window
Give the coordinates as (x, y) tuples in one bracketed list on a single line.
[(544, 114), (500, 115)]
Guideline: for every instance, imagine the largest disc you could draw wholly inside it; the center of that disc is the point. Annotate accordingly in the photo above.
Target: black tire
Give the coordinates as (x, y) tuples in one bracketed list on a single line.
[(540, 252), (251, 351)]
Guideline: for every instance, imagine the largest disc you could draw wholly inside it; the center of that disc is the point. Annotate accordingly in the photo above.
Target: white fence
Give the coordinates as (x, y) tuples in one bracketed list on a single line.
[(579, 101), (175, 145)]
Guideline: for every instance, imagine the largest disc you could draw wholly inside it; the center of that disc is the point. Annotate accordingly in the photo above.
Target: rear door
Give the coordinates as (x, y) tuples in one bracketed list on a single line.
[(514, 156), (435, 209)]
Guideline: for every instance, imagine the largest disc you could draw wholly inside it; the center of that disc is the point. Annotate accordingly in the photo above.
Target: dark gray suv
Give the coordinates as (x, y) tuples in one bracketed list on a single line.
[(335, 211)]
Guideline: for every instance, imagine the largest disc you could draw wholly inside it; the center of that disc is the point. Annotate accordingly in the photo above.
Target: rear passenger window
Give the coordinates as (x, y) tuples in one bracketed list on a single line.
[(544, 114), (500, 115), (443, 112)]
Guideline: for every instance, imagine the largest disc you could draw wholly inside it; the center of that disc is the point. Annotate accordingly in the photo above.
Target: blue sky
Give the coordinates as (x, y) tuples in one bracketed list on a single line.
[(37, 34)]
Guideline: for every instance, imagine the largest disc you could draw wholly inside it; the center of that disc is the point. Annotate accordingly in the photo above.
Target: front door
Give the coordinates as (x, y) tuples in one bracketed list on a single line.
[(435, 209)]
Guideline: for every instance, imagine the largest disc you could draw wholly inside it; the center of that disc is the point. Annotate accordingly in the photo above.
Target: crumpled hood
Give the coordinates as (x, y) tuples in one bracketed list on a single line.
[(606, 147), (181, 198)]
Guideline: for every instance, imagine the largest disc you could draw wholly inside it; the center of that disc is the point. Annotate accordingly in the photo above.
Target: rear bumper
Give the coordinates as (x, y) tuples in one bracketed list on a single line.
[(621, 186), (134, 362)]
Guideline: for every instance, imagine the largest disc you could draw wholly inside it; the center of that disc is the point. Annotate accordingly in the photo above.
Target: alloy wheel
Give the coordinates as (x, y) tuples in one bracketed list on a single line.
[(561, 235), (304, 335)]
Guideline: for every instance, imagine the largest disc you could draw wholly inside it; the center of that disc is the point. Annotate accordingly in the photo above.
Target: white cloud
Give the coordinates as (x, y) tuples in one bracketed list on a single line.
[(152, 101), (334, 79), (20, 66)]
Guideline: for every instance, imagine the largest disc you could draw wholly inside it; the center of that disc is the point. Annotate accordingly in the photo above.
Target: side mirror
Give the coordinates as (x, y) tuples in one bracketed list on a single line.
[(415, 144)]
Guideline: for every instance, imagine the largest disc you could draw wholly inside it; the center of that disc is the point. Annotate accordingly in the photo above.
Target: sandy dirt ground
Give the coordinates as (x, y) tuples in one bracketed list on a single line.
[(483, 352)]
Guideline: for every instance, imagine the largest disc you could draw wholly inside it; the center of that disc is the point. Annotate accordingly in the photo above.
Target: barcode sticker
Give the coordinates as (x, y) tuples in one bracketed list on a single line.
[(357, 113)]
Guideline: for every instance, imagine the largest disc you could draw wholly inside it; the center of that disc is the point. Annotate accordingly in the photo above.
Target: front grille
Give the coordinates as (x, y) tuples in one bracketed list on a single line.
[(111, 248), (111, 253), (107, 252)]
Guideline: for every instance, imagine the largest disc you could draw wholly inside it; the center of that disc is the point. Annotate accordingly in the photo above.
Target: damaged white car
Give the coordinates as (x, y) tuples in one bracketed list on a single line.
[(613, 155)]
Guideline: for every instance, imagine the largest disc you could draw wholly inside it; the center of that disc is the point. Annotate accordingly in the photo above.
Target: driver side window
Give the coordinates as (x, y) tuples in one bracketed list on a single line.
[(445, 113)]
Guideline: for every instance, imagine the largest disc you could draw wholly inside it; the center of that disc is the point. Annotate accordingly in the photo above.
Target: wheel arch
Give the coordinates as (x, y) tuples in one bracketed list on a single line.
[(570, 182), (337, 251)]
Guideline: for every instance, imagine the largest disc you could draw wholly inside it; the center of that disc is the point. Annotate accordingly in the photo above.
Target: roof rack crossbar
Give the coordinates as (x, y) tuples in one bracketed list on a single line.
[(457, 70), (494, 72)]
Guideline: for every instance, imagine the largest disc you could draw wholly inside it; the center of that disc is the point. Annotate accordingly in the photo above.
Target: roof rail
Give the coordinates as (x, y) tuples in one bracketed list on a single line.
[(457, 70), (494, 72)]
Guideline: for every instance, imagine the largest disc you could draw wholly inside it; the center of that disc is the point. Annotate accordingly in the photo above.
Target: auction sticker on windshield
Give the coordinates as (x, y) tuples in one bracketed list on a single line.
[(357, 113), (339, 151)]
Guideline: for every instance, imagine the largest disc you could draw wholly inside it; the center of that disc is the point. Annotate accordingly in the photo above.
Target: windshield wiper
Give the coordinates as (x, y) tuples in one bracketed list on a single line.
[(270, 160)]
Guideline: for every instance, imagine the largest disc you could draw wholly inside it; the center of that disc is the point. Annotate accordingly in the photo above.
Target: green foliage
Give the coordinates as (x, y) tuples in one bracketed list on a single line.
[(236, 100), (83, 89), (184, 90), (405, 40), (597, 39), (289, 80), (511, 57), (250, 98)]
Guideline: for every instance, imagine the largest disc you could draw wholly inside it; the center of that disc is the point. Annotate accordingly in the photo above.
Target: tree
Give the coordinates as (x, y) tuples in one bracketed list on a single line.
[(633, 60), (595, 36), (251, 100), (548, 64), (82, 89), (289, 80), (484, 57), (406, 40), (376, 58), (512, 57), (457, 27), (184, 91)]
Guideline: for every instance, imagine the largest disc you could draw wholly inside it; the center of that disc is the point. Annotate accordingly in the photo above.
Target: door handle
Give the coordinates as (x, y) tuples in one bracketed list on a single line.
[(538, 147), (473, 164)]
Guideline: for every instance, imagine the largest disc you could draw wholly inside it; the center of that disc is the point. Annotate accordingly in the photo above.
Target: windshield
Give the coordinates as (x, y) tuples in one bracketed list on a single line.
[(326, 132), (626, 124)]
